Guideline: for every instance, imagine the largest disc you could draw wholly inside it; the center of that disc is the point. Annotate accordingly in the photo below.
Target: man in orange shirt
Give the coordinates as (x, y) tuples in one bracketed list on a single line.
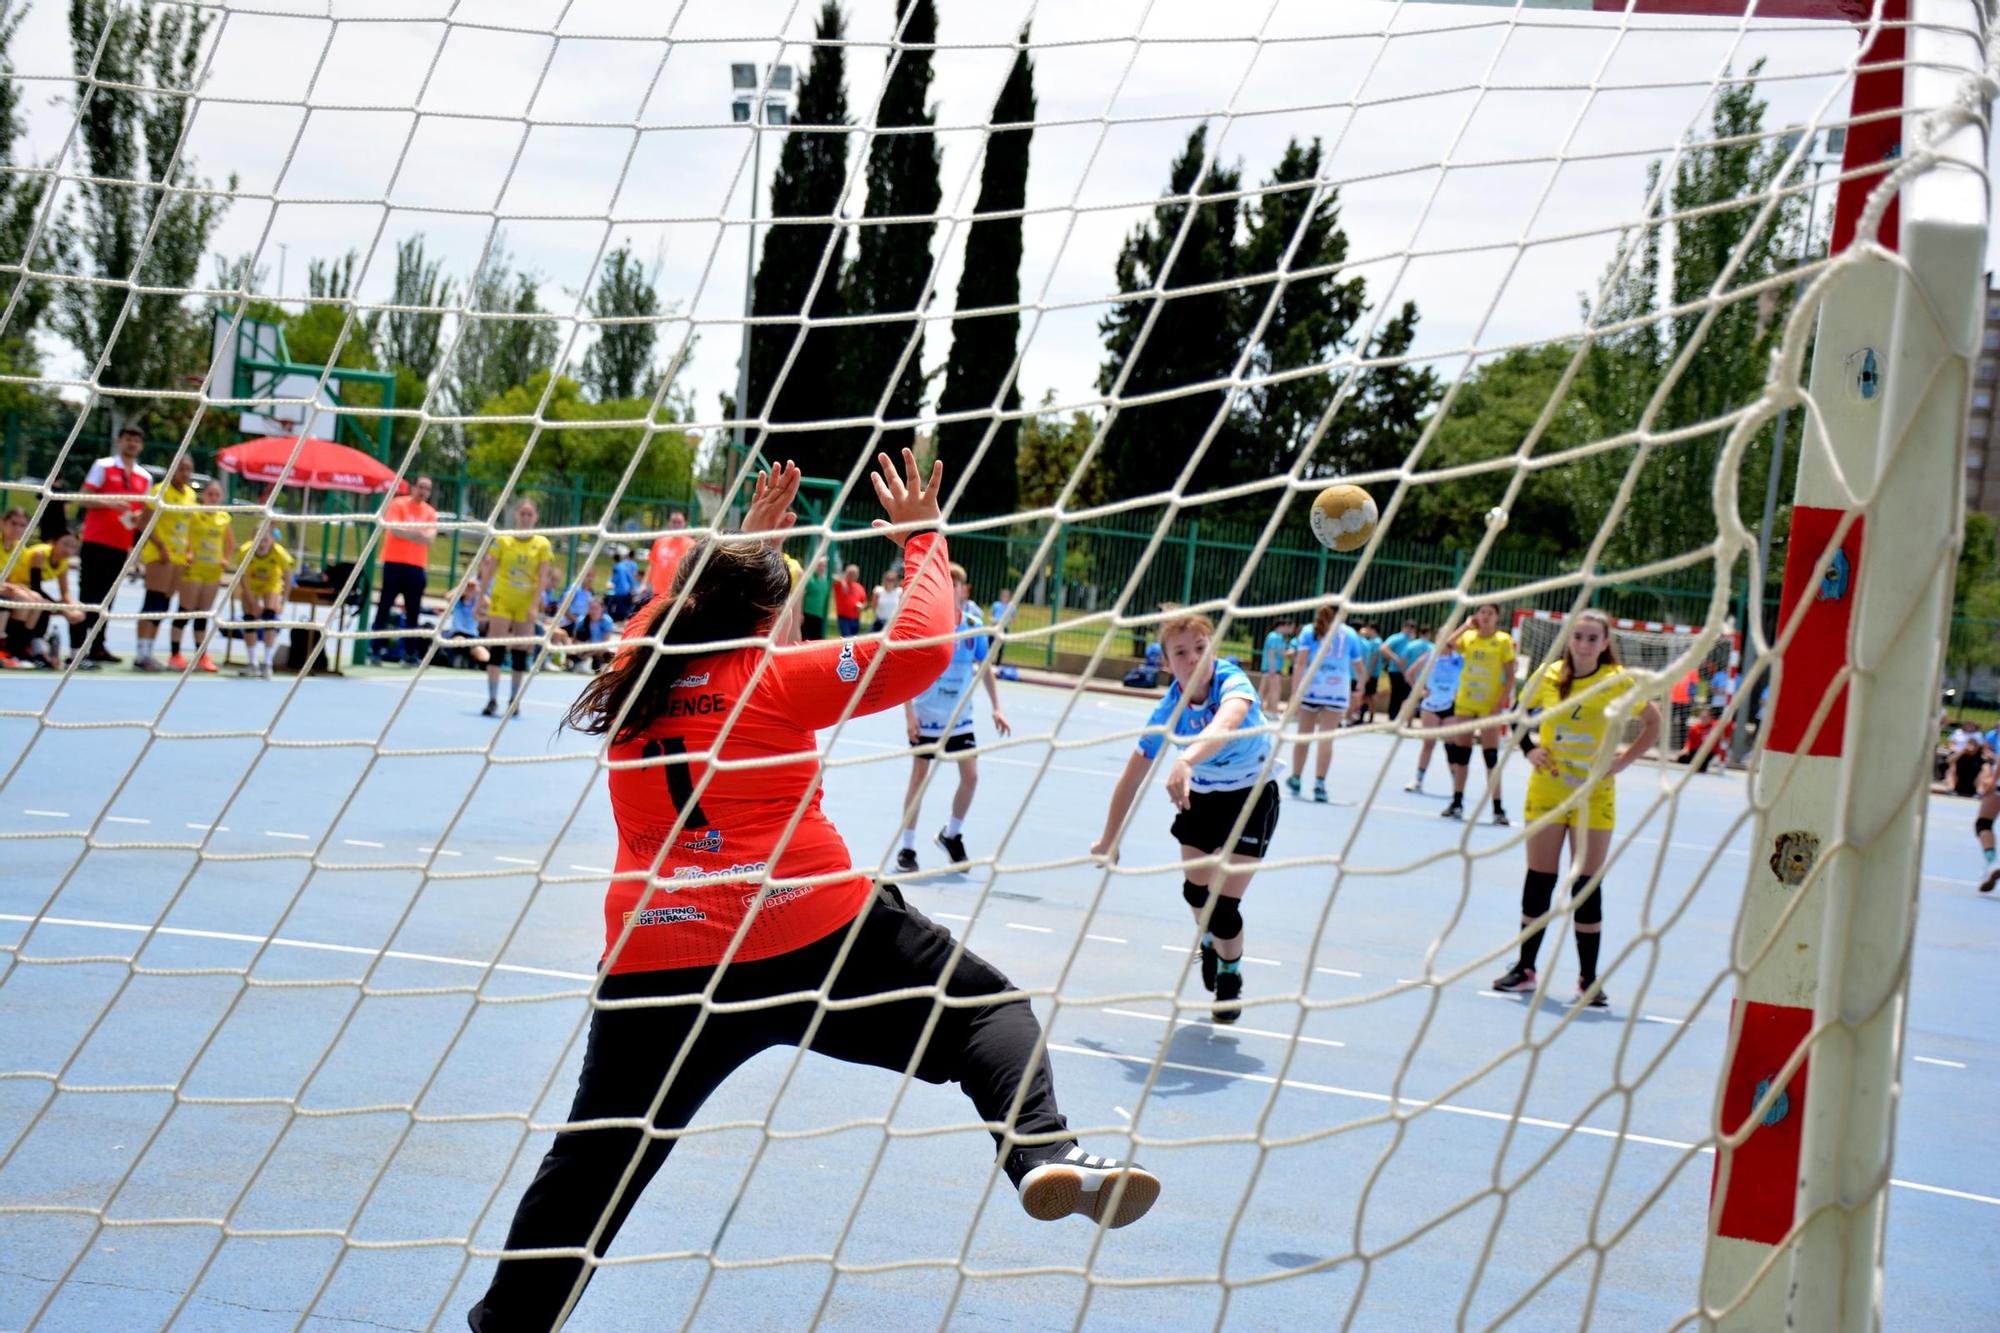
[(409, 525), (666, 554)]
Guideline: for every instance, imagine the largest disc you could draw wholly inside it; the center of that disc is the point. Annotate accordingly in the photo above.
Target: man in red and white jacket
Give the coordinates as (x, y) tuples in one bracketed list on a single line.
[(113, 516)]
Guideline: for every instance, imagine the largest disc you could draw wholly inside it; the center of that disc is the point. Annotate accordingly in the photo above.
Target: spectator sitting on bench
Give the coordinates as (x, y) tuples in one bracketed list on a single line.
[(464, 624)]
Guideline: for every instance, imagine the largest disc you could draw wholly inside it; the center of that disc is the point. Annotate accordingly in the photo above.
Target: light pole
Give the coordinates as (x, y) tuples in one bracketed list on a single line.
[(757, 102), (1834, 145)]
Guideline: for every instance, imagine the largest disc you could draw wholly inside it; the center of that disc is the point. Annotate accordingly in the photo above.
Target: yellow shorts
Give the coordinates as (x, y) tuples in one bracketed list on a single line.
[(252, 590), (203, 574), (173, 553), (1598, 811), (1467, 707), (511, 604)]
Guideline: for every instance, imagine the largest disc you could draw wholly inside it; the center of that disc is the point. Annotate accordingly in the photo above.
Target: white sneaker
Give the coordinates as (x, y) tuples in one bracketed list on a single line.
[(1416, 784), (266, 672), (1077, 1182)]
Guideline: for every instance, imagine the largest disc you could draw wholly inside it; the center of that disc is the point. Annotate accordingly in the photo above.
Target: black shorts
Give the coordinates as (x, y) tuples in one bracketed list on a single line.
[(953, 744), (1205, 824)]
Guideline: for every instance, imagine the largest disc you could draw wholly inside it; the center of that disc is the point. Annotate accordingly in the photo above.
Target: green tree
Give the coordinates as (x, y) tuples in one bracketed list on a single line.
[(1195, 338), (1311, 318), (415, 338), (492, 354), (1717, 192), (978, 372), (1975, 630), (892, 262), (21, 200), (620, 363), (1051, 447), (812, 172), (128, 140), (1378, 427), (332, 279), (565, 454)]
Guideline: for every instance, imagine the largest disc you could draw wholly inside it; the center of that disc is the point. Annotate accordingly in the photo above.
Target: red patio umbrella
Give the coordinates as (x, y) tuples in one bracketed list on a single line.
[(321, 465)]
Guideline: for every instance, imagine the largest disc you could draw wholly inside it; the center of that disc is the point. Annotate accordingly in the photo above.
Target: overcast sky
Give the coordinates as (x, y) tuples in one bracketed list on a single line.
[(382, 121)]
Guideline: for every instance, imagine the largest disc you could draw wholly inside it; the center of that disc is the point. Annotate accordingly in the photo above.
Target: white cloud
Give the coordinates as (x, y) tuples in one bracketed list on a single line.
[(416, 126)]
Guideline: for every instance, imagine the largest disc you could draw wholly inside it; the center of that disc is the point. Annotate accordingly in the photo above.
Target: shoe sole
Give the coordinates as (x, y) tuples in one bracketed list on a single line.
[(1987, 885), (1056, 1191)]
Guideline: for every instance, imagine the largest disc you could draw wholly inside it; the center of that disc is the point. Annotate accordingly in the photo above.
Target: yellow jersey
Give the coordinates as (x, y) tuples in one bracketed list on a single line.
[(208, 539), (1575, 729), (7, 554), (171, 531), (44, 554), (267, 572), (1488, 670), (518, 561)]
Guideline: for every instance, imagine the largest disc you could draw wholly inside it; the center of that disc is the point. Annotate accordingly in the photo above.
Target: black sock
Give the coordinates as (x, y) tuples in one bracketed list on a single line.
[(1586, 954), (1538, 890), (1498, 809)]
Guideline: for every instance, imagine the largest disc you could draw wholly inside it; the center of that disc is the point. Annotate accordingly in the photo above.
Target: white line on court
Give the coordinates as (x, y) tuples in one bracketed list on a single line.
[(1337, 972), (950, 916), (1266, 1079), (125, 819), (516, 861), (1108, 939), (47, 814), (209, 828), (362, 842), (1039, 930), (427, 851), (1948, 1064), (1661, 1018), (1447, 1108), (592, 870), (1122, 1111), (1226, 1029), (294, 837)]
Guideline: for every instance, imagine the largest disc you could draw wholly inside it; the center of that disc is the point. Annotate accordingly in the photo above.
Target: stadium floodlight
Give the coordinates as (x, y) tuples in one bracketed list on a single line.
[(768, 103)]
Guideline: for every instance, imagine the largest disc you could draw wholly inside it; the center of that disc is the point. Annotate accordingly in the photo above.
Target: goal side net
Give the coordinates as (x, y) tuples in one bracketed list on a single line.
[(1638, 307)]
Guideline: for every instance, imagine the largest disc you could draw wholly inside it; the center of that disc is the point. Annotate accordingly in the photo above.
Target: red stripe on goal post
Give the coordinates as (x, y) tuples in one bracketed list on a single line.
[(1818, 651), (1764, 1168)]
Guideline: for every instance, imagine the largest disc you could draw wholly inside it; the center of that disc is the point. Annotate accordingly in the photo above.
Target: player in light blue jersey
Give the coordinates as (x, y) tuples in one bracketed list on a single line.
[(1433, 678), (1225, 774), (940, 722), (1322, 683)]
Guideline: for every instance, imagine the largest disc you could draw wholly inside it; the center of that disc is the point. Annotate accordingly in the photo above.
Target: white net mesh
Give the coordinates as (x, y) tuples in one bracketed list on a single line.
[(296, 975)]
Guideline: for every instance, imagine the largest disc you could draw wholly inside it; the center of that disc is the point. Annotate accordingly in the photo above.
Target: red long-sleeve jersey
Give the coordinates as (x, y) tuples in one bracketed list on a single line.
[(727, 846)]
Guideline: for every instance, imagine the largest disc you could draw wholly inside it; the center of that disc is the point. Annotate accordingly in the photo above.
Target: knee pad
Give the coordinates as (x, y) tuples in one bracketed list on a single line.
[(1982, 826), (1538, 890), (268, 613), (1227, 921), (1589, 910), (155, 603), (1458, 756), (517, 658), (1196, 894), (1491, 754)]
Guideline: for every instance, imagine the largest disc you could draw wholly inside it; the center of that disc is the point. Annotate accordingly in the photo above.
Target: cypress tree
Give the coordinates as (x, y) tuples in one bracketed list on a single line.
[(893, 261), (812, 170), (983, 346)]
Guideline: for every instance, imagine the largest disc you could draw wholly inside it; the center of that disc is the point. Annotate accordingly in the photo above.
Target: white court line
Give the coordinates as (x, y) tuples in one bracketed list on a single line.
[(1108, 939), (1447, 1108), (125, 819), (362, 842), (1661, 1018), (516, 861), (1266, 1079), (1337, 972), (950, 916), (592, 870), (47, 814), (1948, 1064), (428, 851), (1039, 930), (1226, 1029), (209, 828), (1122, 1111), (183, 932), (295, 837)]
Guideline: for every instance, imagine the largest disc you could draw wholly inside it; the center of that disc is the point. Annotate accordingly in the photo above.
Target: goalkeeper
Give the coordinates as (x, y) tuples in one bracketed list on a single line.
[(733, 886), (1574, 715)]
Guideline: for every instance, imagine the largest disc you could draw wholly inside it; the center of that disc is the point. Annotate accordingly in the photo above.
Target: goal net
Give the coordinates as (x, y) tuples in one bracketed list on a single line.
[(1667, 310)]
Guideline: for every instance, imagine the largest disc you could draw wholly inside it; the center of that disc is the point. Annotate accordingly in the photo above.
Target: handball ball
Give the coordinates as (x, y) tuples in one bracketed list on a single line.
[(1343, 517)]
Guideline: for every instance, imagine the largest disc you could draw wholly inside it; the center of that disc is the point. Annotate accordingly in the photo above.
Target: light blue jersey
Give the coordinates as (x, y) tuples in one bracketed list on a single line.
[(1333, 682), (1239, 763), (935, 706), (1441, 681), (1275, 647)]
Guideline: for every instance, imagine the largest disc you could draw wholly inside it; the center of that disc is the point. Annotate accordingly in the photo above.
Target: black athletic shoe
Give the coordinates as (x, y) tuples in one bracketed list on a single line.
[(1228, 990), (1500, 817), (1992, 879), (1209, 961), (954, 847), (1456, 810), (1590, 995), (906, 860), (492, 708), (1114, 1193), (1516, 980)]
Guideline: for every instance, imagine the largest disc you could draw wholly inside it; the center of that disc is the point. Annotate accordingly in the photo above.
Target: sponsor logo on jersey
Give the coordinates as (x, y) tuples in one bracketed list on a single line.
[(776, 896), (664, 916), (691, 682), (709, 840), (847, 668), (743, 870)]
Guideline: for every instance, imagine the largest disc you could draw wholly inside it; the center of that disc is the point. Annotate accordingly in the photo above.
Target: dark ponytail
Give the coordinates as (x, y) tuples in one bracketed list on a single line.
[(725, 590)]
